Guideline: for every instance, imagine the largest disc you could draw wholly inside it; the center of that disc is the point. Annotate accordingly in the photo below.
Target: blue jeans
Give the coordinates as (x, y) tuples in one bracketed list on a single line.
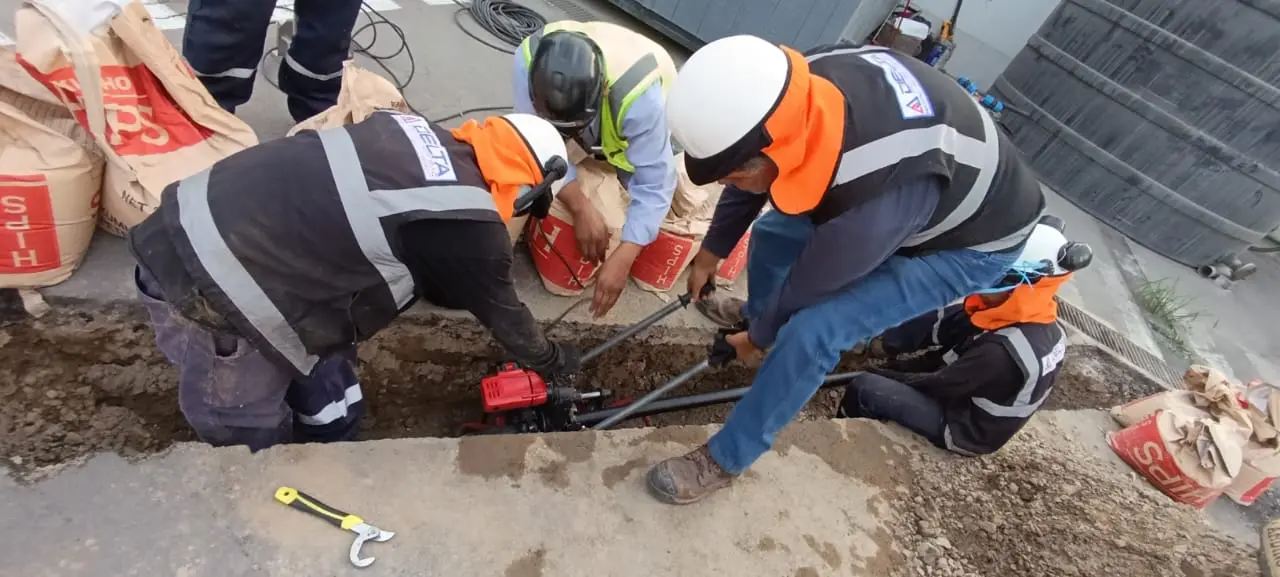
[(809, 344)]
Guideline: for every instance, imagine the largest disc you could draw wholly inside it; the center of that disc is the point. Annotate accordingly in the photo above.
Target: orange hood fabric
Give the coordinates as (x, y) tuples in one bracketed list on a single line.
[(807, 132), (1028, 304), (505, 160)]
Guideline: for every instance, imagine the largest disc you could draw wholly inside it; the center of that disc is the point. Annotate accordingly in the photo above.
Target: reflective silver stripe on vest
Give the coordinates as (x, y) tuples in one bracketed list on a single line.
[(1010, 241), (952, 446), (839, 51), (632, 78), (365, 208), (983, 155), (937, 324), (230, 275), (1022, 406)]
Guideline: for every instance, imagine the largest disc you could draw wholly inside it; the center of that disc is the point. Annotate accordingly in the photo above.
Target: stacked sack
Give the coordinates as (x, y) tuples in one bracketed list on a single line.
[(50, 174), (1198, 443), (155, 123), (563, 269), (660, 263)]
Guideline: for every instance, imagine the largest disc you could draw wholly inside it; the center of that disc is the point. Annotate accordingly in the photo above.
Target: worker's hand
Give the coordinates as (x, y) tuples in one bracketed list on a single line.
[(701, 272), (744, 350), (612, 278), (588, 224), (565, 360)]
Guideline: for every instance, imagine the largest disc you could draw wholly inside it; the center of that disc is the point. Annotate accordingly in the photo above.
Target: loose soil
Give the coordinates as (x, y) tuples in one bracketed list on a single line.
[(1046, 506), (75, 382)]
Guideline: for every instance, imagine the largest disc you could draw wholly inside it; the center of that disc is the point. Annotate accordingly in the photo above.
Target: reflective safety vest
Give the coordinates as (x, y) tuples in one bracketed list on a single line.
[(991, 417), (906, 120), (632, 63), (295, 241)]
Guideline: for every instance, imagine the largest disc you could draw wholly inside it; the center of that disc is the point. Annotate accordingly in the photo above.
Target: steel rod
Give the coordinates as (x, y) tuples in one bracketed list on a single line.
[(684, 403), (644, 323), (653, 395)]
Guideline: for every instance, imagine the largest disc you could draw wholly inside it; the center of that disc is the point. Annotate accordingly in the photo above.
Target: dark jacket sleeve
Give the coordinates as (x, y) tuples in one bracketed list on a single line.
[(844, 249), (467, 265), (985, 366), (945, 328), (735, 212)]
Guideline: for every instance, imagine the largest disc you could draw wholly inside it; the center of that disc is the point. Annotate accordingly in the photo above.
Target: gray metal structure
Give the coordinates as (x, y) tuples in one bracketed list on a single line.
[(800, 24), (1159, 117)]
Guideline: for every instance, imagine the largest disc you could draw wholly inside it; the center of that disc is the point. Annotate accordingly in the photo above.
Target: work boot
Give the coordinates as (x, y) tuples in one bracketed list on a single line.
[(723, 311), (1269, 552), (687, 479)]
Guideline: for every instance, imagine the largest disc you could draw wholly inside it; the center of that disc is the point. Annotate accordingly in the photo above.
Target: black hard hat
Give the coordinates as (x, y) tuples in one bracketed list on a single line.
[(566, 80)]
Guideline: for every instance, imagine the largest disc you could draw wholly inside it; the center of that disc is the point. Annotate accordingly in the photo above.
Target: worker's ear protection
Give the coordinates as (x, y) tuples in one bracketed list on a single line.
[(536, 200)]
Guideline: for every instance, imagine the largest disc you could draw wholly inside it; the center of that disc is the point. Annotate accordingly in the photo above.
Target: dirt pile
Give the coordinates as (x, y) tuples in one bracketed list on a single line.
[(1045, 506)]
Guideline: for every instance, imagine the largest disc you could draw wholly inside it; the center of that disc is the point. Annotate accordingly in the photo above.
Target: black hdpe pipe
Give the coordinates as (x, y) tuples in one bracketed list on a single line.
[(595, 419)]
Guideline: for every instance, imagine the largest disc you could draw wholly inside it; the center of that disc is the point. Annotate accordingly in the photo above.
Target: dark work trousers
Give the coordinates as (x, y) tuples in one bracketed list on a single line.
[(223, 43), (233, 395), (877, 397)]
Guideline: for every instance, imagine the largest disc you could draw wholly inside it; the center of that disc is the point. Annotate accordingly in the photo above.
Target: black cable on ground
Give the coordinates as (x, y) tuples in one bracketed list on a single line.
[(505, 20)]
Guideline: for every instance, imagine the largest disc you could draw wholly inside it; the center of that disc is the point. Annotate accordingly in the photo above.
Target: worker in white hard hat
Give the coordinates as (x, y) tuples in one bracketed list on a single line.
[(893, 192), (263, 272), (985, 365)]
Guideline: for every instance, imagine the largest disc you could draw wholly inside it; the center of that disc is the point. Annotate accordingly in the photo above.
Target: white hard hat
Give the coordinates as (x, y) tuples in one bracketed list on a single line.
[(543, 139), (1042, 251), (725, 90)]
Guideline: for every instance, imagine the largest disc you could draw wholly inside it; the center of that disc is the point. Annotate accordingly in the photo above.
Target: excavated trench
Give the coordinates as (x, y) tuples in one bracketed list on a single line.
[(78, 381)]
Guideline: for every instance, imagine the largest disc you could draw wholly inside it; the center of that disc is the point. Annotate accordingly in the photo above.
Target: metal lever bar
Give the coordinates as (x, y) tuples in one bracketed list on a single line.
[(646, 407), (644, 323), (653, 395)]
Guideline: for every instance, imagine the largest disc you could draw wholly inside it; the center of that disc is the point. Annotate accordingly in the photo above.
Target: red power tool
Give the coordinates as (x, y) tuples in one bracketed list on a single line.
[(521, 400), (513, 388)]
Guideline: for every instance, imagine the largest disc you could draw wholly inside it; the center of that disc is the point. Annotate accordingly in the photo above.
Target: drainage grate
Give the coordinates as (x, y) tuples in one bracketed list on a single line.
[(573, 10), (1118, 344)]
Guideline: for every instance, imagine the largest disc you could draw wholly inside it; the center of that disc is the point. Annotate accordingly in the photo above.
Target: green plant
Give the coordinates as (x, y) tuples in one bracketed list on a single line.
[(1168, 312)]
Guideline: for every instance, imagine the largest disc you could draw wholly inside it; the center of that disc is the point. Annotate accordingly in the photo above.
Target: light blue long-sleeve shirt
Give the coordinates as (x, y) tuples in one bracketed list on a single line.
[(648, 149)]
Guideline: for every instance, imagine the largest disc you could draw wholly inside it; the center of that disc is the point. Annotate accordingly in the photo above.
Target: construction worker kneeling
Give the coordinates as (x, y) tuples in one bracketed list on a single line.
[(991, 360), (603, 86), (894, 194), (262, 273)]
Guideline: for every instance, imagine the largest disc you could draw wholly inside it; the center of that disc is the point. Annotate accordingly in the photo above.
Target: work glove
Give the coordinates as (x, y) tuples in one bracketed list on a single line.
[(721, 353), (564, 360)]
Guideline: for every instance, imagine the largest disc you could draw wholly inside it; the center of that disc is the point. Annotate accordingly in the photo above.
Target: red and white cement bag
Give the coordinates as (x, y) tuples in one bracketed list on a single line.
[(735, 263), (125, 83), (50, 176), (552, 242), (661, 263), (1192, 460)]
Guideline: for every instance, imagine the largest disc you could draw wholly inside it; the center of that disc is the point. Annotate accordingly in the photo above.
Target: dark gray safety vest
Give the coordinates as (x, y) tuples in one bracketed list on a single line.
[(906, 120), (295, 241), (991, 418)]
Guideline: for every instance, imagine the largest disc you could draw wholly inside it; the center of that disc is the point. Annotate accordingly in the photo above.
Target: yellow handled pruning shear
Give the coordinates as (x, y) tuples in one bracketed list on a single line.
[(364, 531)]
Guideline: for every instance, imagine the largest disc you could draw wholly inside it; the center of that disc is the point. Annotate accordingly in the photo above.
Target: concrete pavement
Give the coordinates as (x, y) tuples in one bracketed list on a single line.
[(522, 506)]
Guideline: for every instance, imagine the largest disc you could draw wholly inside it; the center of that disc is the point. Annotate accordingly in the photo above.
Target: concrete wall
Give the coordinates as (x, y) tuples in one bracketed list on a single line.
[(990, 32)]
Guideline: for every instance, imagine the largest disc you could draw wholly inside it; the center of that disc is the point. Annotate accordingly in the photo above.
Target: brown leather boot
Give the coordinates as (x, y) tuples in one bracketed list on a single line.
[(687, 479), (723, 311)]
